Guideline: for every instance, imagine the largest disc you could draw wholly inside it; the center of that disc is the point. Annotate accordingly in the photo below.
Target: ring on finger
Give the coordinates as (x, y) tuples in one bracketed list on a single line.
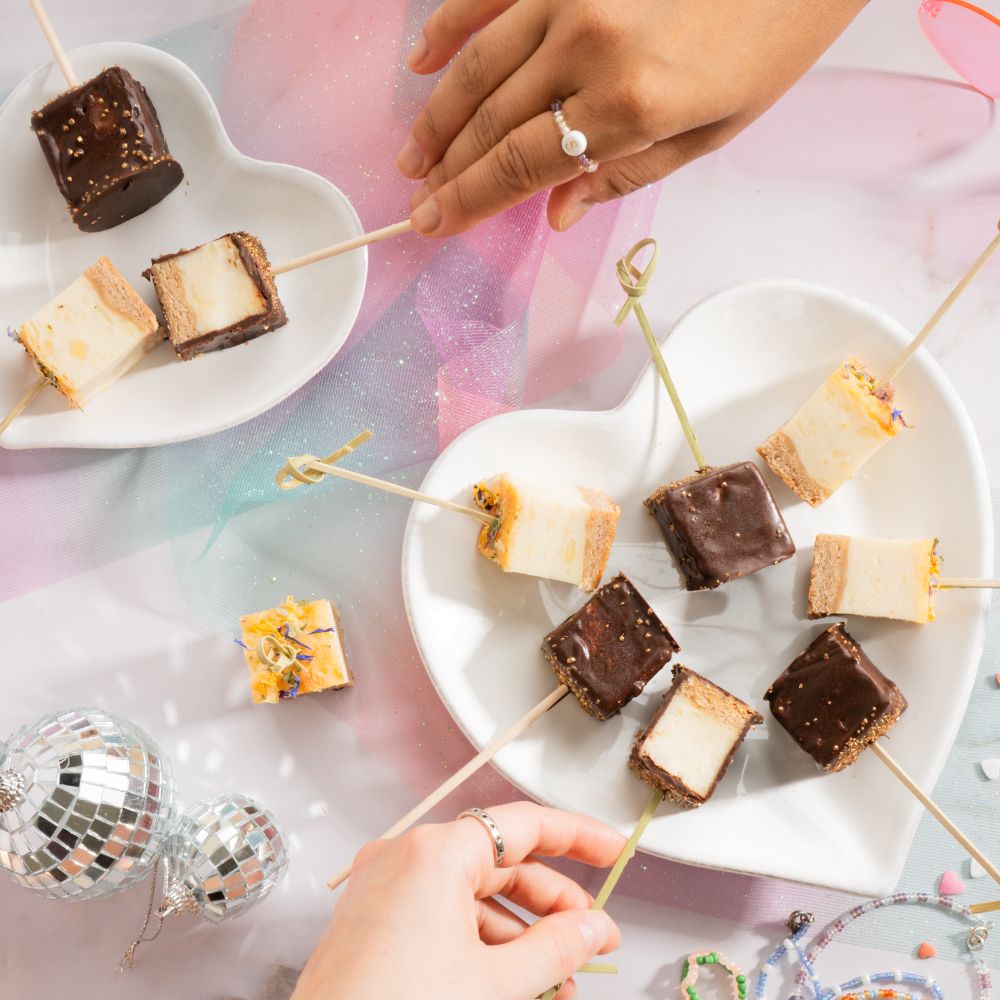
[(490, 826), (574, 142)]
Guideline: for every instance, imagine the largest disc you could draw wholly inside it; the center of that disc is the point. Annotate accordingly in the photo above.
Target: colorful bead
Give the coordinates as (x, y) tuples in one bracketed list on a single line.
[(855, 989)]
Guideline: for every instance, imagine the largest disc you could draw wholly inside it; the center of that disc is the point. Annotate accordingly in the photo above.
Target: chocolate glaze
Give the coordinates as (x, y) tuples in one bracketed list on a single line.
[(833, 700), (255, 261), (106, 150), (671, 785), (721, 524), (610, 649)]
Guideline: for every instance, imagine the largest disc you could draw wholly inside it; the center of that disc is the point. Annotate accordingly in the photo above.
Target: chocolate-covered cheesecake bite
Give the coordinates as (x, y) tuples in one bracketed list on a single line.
[(610, 649), (834, 701), (721, 524), (688, 746), (106, 150), (216, 295)]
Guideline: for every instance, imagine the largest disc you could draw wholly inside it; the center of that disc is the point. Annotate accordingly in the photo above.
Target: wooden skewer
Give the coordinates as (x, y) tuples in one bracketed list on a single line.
[(308, 469), (40, 383), (985, 907), (628, 852), (934, 809), (58, 52), (965, 582), (634, 283), (289, 265), (915, 344), (483, 757), (338, 248)]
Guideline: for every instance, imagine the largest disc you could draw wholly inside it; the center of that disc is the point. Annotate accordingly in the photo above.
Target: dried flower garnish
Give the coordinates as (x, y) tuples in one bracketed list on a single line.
[(12, 333)]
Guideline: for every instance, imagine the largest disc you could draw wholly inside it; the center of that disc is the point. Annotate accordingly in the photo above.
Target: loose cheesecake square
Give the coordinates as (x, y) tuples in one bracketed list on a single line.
[(842, 424), (547, 529), (875, 577), (217, 295), (834, 701), (721, 524), (91, 333), (610, 649), (296, 648), (105, 148), (688, 746)]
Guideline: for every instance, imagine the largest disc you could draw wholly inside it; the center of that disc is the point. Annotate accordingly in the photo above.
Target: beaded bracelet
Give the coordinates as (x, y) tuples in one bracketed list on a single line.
[(799, 923), (689, 974)]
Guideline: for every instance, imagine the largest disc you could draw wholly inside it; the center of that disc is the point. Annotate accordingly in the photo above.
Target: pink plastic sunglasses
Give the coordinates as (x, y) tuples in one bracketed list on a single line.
[(967, 38)]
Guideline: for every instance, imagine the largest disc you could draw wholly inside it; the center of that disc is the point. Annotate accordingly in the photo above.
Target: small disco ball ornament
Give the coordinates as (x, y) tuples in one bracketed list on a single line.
[(223, 856), (86, 802)]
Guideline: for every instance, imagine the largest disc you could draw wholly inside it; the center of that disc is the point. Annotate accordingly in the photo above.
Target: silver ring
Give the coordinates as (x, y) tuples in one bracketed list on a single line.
[(574, 142), (490, 826)]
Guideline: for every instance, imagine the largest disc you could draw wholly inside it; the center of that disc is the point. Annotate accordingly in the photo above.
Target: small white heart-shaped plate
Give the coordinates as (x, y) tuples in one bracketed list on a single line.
[(291, 210), (744, 361)]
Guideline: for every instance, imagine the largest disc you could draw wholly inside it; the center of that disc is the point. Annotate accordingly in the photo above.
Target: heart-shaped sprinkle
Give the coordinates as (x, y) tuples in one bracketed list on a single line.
[(991, 767), (926, 950), (976, 870), (950, 884)]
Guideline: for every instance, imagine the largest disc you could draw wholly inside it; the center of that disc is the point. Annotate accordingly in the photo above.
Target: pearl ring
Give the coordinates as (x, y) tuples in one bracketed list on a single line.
[(574, 142)]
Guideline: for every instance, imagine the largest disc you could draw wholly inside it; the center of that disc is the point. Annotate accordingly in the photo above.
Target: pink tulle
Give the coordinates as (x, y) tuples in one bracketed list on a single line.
[(324, 87)]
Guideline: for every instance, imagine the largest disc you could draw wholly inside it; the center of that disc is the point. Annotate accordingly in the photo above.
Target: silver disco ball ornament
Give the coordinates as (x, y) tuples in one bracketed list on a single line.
[(86, 802), (223, 856)]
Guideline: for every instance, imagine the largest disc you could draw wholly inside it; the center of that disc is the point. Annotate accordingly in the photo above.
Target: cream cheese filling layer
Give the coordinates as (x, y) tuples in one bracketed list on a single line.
[(83, 342), (887, 578), (549, 535), (837, 430), (217, 288), (690, 743)]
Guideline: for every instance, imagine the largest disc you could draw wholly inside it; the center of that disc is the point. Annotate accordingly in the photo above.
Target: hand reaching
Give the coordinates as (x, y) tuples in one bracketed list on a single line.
[(653, 84), (420, 918)]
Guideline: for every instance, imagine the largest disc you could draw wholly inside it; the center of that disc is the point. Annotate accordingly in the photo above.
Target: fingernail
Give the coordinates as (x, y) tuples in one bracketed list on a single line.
[(420, 196), (418, 53), (574, 214), (427, 217), (410, 159), (594, 928)]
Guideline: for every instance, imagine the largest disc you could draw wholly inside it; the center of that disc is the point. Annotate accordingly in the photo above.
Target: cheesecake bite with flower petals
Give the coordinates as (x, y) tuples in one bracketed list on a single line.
[(547, 529), (296, 648), (842, 424)]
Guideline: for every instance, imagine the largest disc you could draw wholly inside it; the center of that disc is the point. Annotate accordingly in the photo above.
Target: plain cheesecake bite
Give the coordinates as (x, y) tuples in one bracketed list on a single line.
[(547, 529), (217, 295), (842, 424), (721, 524), (834, 701), (91, 333), (296, 648), (688, 746), (875, 577), (610, 649), (105, 148)]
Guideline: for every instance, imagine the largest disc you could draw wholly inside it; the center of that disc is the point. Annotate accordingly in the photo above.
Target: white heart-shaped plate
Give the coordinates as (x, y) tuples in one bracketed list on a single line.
[(291, 210), (744, 361)]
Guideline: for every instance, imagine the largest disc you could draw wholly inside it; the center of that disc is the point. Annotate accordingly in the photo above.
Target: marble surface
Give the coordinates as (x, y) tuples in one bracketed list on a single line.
[(126, 638)]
